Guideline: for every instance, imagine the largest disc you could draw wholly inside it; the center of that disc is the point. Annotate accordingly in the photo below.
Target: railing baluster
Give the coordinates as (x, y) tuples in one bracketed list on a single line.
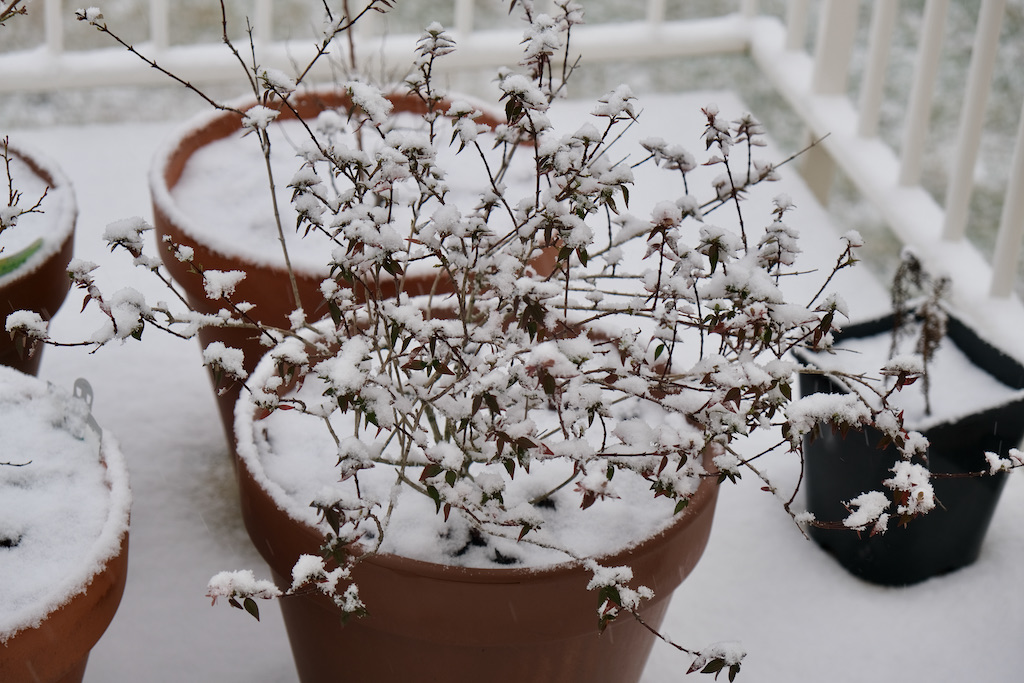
[(834, 47), (464, 17), (53, 14), (883, 20), (750, 8), (1011, 224), (919, 112), (263, 24), (796, 23), (655, 11), (159, 30), (832, 52), (972, 117)]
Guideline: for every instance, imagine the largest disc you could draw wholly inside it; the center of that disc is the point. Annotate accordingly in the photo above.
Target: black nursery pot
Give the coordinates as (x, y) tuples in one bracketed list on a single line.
[(950, 536)]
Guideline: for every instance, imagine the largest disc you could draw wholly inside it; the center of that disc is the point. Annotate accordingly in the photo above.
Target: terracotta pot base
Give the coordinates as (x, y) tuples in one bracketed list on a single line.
[(430, 622)]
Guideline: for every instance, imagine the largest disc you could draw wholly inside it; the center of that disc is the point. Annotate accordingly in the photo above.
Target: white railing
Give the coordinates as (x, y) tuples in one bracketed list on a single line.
[(815, 86)]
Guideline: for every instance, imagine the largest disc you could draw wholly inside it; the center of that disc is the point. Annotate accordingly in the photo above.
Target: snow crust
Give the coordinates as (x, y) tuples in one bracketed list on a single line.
[(222, 197), (64, 511), (59, 209)]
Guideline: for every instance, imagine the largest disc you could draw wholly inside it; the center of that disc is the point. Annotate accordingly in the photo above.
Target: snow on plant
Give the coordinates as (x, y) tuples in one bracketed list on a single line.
[(15, 206), (510, 362)]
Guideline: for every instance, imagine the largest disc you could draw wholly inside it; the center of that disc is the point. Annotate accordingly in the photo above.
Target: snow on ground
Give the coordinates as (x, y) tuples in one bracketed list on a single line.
[(799, 615)]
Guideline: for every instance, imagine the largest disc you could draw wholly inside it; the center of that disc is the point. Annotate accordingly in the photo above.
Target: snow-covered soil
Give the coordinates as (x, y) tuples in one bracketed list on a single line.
[(64, 500), (799, 615)]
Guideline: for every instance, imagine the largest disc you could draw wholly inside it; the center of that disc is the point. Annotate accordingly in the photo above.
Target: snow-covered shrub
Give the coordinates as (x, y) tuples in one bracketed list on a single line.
[(512, 364)]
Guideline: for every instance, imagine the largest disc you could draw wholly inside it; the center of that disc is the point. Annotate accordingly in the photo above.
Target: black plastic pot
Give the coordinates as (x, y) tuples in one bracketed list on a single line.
[(947, 538)]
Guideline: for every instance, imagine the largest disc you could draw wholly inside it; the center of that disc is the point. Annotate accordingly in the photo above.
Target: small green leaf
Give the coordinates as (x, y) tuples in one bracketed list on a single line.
[(714, 666), (548, 383), (252, 608), (434, 496)]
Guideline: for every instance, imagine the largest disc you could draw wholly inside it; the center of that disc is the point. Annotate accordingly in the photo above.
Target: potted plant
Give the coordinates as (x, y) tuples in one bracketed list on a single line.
[(967, 399), (614, 388), (37, 224), (64, 508), (210, 197)]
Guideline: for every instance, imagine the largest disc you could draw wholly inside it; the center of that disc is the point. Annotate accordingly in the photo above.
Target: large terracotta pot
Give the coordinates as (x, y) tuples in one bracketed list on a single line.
[(266, 285), (432, 622), (57, 649), (39, 282)]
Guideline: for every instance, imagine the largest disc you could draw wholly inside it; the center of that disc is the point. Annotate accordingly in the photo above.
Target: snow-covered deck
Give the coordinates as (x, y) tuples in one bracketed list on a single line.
[(800, 616)]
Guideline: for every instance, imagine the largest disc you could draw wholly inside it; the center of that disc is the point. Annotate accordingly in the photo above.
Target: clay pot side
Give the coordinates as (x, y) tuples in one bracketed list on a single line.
[(434, 623), (268, 287), (41, 283), (57, 651)]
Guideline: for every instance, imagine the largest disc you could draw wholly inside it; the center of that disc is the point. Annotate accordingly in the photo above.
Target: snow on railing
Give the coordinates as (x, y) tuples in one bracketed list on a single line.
[(51, 67), (815, 85), (890, 179)]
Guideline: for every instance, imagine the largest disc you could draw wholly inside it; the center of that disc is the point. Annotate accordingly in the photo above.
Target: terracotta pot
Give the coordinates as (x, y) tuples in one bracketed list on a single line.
[(267, 286), (57, 650), (41, 283), (431, 622)]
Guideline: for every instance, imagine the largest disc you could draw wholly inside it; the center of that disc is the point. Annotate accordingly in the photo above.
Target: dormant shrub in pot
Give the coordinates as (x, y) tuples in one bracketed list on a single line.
[(209, 189), (617, 387)]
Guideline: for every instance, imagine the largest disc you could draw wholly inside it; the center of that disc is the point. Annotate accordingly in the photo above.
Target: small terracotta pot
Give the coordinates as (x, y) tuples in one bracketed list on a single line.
[(266, 286), (57, 649), (41, 283), (431, 622)]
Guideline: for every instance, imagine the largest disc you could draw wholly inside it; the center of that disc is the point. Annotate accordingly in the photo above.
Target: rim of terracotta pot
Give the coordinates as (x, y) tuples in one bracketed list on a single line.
[(89, 599), (258, 491), (63, 216), (172, 156)]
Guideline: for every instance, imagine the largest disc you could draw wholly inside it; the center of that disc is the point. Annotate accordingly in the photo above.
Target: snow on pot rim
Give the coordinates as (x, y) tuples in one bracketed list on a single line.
[(64, 515), (32, 171), (958, 386), (209, 166), (287, 484)]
